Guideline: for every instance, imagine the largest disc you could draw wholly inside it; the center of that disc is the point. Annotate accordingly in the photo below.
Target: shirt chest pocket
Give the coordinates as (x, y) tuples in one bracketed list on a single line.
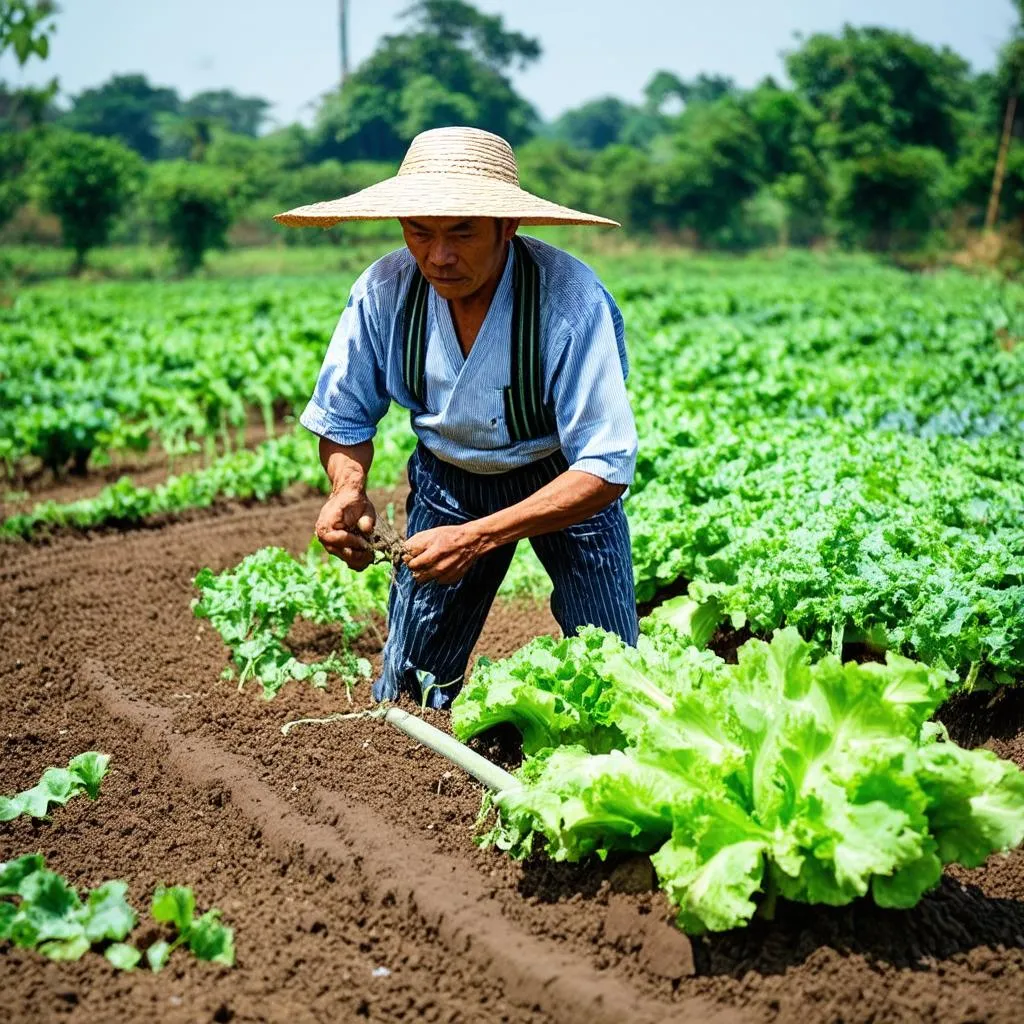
[(475, 417)]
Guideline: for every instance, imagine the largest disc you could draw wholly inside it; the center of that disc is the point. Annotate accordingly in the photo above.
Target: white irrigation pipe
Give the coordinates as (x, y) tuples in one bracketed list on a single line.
[(447, 746), (440, 742)]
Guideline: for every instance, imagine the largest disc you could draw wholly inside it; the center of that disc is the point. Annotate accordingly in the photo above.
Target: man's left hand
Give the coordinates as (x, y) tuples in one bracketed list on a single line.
[(444, 554)]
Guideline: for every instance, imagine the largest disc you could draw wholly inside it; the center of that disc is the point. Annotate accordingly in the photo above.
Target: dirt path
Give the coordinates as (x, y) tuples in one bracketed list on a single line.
[(339, 850)]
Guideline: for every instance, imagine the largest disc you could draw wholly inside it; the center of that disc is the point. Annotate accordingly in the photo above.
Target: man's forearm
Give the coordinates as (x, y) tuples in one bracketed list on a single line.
[(569, 499), (347, 466)]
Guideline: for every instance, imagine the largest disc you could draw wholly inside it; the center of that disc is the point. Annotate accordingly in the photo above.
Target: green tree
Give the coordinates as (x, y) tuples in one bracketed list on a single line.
[(259, 168), (796, 174), (972, 179), (625, 187), (708, 88), (877, 90), (359, 122), (461, 24), (891, 200), (270, 170), (25, 29), (995, 90), (665, 87), (289, 145), (662, 89), (427, 103), (14, 158), (194, 206), (806, 195), (24, 109), (717, 166), (1004, 95), (450, 66), (126, 108), (85, 182), (596, 124), (187, 133), (555, 169), (242, 115), (183, 138), (786, 123), (325, 180)]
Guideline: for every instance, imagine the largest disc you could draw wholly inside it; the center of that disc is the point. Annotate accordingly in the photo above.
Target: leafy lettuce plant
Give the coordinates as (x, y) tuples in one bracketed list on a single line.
[(83, 774), (687, 620), (549, 690), (254, 605), (783, 776)]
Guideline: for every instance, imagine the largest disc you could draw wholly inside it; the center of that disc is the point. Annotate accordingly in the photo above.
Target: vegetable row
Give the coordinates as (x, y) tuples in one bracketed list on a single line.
[(783, 775), (831, 444)]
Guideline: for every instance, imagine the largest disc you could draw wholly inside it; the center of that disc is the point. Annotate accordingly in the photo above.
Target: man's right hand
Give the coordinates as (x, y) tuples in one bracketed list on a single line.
[(344, 526)]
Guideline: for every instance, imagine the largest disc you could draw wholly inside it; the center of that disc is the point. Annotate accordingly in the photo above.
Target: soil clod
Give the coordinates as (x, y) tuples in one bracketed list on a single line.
[(387, 543)]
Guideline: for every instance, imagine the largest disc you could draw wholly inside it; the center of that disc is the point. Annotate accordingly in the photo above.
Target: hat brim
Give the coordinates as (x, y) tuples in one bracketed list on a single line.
[(439, 195)]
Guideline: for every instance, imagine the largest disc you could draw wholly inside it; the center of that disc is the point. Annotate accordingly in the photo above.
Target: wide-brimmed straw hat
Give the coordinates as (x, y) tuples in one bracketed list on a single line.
[(447, 172)]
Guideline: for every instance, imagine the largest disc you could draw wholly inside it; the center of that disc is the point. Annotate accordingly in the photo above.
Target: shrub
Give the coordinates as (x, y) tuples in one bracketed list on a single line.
[(85, 182), (14, 155), (194, 206), (890, 200)]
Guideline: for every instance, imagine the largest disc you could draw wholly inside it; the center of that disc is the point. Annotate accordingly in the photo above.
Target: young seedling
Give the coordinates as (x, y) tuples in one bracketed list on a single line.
[(83, 774), (254, 605), (40, 910), (205, 936)]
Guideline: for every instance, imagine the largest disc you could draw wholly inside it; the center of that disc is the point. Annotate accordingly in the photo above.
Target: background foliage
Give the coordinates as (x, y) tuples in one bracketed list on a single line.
[(876, 139)]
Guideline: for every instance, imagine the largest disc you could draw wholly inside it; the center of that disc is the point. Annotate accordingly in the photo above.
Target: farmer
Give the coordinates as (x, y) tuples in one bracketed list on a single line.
[(509, 355)]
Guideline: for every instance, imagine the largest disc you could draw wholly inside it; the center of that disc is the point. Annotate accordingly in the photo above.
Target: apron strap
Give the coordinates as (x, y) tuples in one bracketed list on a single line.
[(414, 339), (526, 415)]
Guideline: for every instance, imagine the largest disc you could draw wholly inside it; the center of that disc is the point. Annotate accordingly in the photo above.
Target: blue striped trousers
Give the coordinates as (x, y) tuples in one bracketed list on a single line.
[(433, 627)]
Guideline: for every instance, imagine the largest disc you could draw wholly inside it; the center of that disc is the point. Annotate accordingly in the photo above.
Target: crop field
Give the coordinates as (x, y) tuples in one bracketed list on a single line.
[(791, 802)]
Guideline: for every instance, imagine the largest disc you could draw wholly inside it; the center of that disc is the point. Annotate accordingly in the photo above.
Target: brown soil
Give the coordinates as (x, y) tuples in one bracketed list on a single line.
[(344, 848), (993, 718)]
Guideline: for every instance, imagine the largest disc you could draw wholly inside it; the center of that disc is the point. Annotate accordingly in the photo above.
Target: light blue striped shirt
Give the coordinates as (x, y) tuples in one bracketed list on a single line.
[(583, 357)]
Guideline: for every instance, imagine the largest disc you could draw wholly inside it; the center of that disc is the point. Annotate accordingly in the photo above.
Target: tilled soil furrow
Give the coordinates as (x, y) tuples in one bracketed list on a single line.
[(313, 944), (404, 874), (70, 551)]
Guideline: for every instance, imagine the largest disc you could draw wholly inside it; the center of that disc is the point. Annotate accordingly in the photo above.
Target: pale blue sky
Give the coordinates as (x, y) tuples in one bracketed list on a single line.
[(288, 51)]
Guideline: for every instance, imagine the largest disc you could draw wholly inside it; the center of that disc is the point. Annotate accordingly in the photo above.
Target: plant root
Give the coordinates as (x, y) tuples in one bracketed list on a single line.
[(388, 545), (372, 713)]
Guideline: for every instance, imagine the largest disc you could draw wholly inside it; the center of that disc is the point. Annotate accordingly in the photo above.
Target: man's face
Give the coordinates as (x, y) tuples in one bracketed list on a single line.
[(458, 255)]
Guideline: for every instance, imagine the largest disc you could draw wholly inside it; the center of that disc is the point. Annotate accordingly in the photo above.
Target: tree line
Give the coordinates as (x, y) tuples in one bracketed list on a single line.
[(877, 140)]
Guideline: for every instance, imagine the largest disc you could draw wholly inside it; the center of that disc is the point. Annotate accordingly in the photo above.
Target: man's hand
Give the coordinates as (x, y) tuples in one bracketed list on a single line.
[(444, 554), (343, 526)]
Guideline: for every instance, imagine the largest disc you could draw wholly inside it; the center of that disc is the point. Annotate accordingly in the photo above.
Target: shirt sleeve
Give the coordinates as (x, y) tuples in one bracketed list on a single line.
[(595, 421), (350, 398)]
